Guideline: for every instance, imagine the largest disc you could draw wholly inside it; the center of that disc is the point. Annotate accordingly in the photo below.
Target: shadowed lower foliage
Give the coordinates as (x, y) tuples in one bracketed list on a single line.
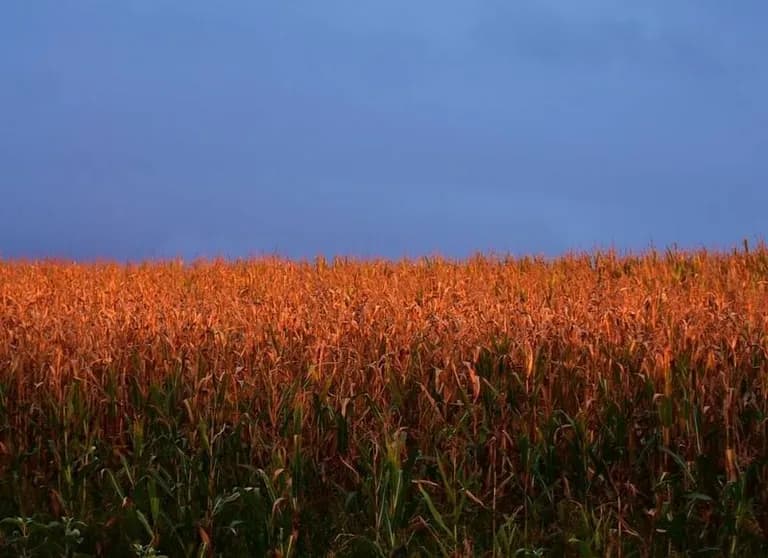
[(592, 405)]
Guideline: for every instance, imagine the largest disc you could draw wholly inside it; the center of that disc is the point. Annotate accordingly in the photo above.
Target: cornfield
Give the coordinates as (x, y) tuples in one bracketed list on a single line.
[(590, 405)]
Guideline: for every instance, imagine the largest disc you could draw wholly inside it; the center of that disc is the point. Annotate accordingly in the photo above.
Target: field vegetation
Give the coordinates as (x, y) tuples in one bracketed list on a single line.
[(589, 405)]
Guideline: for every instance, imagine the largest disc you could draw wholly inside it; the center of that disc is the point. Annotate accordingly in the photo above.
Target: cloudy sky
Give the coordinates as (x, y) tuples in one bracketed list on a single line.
[(159, 128)]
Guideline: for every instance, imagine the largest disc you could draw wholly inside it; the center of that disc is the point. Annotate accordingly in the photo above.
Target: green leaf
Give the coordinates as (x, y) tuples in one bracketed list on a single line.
[(143, 520), (435, 514)]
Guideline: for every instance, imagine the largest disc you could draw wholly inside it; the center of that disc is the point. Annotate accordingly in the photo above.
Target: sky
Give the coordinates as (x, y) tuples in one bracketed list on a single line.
[(152, 129)]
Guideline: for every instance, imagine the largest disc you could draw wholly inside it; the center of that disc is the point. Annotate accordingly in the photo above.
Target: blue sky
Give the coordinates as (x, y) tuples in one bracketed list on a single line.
[(158, 128)]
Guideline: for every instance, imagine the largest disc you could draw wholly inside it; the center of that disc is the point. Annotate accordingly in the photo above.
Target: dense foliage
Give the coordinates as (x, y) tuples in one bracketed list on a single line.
[(591, 405)]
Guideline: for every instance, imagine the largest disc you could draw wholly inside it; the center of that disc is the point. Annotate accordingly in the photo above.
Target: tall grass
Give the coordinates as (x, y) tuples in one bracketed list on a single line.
[(591, 405)]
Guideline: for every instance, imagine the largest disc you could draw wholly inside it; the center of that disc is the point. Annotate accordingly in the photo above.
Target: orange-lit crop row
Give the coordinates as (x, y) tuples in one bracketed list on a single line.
[(678, 341)]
